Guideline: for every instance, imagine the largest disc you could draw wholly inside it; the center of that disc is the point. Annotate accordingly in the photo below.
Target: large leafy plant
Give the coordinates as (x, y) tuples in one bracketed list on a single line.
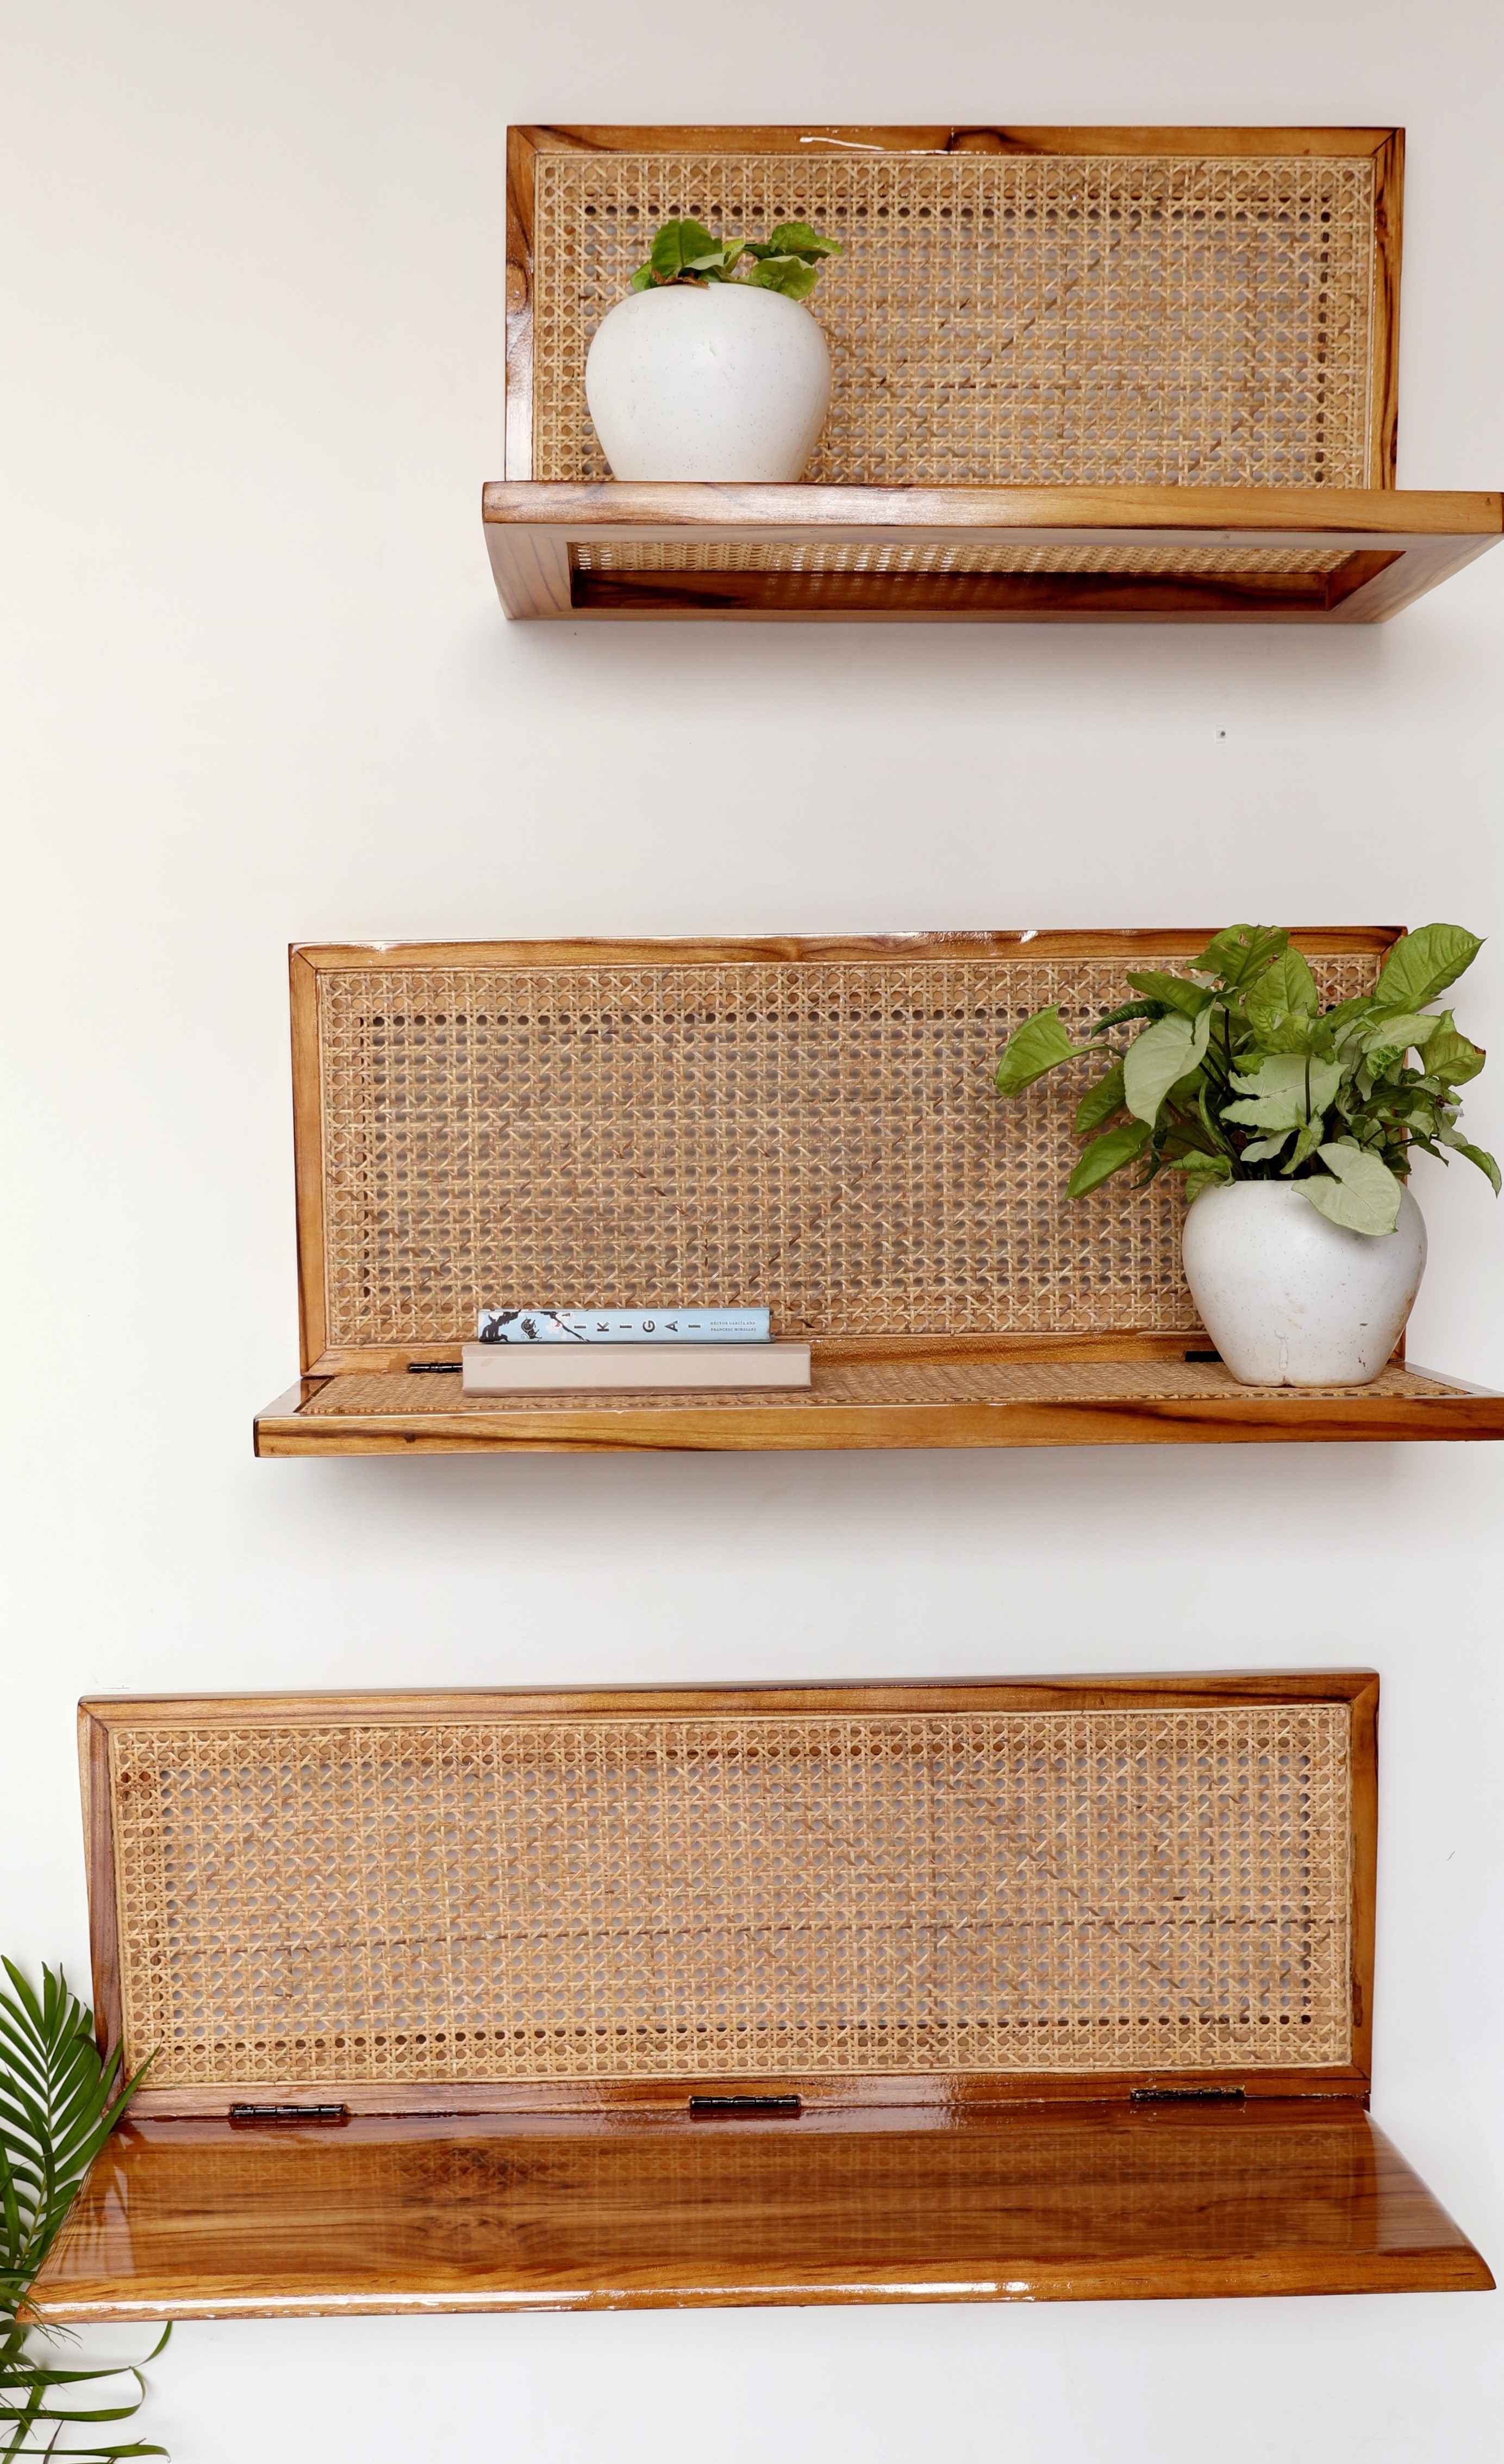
[(1236, 1072), (59, 2100), (788, 260)]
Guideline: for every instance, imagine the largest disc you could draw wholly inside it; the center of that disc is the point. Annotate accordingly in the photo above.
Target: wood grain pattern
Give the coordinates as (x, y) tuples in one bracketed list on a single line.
[(1295, 516), (1388, 235), (1403, 545), (200, 2220), (859, 2191), (307, 1156), (1240, 1416), (816, 136), (1130, 943)]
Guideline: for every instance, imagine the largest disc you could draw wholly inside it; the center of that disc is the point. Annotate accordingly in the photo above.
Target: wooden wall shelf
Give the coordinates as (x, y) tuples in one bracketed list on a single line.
[(962, 555), (1048, 1989), (204, 2220), (1082, 375), (807, 1125), (919, 1400)]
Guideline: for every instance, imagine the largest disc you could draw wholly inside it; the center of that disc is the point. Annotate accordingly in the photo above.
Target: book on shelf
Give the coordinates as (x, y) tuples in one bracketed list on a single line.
[(602, 1368), (664, 1324)]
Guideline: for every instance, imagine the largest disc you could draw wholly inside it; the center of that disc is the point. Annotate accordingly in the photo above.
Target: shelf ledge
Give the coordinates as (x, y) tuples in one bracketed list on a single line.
[(921, 1402), (204, 2220), (1346, 555)]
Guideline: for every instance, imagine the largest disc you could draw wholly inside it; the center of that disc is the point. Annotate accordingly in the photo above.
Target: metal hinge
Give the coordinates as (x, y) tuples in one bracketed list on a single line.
[(253, 2113), (1188, 2095)]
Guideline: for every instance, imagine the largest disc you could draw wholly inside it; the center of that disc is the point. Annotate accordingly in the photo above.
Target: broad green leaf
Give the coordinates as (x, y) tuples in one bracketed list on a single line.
[(1361, 1193), (1099, 1101), (1287, 988), (797, 240), (642, 279), (1242, 953), (1403, 1031), (677, 247), (1174, 992), (1479, 1156), (1264, 1150), (1042, 1043), (1277, 1093), (1449, 1056), (1424, 964), (1106, 1155), (1158, 1059), (1289, 1030), (790, 275)]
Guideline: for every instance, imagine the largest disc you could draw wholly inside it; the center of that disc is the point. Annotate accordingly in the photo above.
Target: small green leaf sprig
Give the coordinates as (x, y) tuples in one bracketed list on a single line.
[(789, 260), (1238, 1073)]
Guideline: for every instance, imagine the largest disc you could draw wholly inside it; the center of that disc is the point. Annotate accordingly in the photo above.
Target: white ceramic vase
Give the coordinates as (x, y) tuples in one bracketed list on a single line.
[(1292, 1300), (720, 381)]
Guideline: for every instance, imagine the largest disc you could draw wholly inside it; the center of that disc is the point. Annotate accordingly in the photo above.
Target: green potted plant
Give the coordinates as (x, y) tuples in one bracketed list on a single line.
[(1295, 1127), (59, 2100), (711, 368)]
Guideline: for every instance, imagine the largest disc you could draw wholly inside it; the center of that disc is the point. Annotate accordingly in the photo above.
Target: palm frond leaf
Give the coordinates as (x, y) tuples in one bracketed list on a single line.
[(60, 2097)]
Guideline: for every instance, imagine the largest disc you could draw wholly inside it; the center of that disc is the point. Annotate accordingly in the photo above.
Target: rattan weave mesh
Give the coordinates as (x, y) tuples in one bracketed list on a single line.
[(634, 1898), (937, 556), (871, 1382), (1027, 320), (820, 1138)]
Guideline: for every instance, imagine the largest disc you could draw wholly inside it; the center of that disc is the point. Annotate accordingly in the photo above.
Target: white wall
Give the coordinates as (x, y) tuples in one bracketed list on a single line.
[(256, 687)]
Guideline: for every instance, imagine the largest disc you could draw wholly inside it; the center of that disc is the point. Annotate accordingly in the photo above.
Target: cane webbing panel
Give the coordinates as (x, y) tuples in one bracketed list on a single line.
[(822, 1139), (1024, 320), (937, 556), (873, 1383), (814, 1895)]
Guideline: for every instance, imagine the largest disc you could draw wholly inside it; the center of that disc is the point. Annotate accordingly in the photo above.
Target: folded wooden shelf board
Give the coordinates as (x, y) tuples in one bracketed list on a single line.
[(1080, 375), (804, 1124), (1026, 1990)]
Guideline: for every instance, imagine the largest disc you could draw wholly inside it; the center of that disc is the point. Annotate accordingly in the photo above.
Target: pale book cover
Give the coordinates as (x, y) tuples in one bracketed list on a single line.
[(553, 1368), (665, 1324)]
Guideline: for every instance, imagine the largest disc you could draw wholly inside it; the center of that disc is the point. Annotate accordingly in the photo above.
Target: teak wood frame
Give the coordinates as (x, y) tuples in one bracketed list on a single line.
[(1358, 1689), (1385, 147), (286, 1427), (1398, 545), (1141, 2185)]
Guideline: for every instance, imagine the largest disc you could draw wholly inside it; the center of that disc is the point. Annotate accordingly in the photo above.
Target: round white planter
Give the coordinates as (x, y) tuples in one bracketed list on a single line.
[(724, 382), (1292, 1300)]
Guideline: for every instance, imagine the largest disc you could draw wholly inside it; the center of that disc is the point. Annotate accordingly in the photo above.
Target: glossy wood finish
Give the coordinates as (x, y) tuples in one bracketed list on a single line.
[(188, 2219), (1402, 543), (856, 2190)]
